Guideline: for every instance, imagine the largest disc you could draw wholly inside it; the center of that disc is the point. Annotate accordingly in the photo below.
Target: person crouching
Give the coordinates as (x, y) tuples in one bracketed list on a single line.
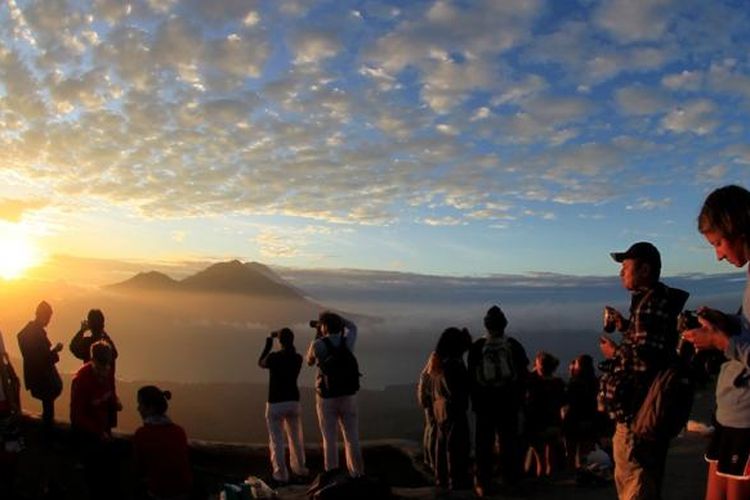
[(92, 400)]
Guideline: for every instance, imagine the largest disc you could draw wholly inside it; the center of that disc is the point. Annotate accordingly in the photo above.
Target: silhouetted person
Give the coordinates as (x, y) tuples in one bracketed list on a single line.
[(39, 358), (161, 448), (336, 399), (10, 411), (80, 345), (545, 394), (92, 400), (498, 369), (649, 344), (581, 421), (424, 398), (283, 408), (450, 396)]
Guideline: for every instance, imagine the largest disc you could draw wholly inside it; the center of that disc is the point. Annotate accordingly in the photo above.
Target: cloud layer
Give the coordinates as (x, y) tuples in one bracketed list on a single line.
[(435, 113)]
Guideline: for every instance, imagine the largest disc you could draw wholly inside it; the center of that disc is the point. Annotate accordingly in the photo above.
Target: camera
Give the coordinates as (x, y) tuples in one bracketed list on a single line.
[(687, 320), (275, 334), (314, 323)]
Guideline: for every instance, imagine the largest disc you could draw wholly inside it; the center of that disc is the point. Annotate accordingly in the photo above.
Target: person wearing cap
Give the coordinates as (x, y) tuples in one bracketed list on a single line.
[(649, 342), (283, 408), (498, 370), (39, 359)]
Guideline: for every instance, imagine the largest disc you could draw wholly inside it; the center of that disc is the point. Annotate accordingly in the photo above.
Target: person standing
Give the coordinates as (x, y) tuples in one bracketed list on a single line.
[(498, 368), (80, 345), (648, 345), (283, 407), (545, 395), (39, 359), (724, 222), (580, 416), (336, 386), (450, 402), (424, 398)]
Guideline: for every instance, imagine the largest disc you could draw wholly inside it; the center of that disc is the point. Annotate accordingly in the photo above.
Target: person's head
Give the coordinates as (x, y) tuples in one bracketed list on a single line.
[(43, 313), (545, 363), (495, 322), (102, 357), (583, 367), (453, 342), (640, 265), (95, 320), (152, 401), (286, 338), (724, 221), (330, 323)]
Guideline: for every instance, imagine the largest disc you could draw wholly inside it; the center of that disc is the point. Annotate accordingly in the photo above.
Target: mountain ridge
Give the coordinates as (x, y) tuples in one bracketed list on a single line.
[(234, 277)]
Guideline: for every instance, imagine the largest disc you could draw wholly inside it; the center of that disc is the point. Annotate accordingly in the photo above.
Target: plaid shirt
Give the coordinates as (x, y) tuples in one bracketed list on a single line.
[(648, 345)]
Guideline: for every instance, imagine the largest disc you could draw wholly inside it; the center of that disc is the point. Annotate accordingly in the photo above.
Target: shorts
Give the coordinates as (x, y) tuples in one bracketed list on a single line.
[(730, 450)]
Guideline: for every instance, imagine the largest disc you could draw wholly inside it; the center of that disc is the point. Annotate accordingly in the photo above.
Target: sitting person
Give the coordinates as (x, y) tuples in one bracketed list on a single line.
[(545, 395), (161, 448)]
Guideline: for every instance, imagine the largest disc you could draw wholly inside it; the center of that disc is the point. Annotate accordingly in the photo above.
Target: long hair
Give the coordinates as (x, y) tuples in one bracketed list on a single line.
[(453, 342), (727, 211)]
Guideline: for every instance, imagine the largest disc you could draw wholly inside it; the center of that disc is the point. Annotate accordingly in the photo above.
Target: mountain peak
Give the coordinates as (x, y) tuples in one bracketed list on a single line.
[(152, 280), (222, 277)]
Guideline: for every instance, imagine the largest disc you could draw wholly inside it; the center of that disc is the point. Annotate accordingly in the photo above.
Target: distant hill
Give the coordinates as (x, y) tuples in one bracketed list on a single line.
[(152, 280), (224, 277)]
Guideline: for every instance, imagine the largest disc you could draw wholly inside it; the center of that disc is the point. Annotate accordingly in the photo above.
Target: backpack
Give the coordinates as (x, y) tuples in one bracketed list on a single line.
[(339, 371), (496, 368), (666, 409)]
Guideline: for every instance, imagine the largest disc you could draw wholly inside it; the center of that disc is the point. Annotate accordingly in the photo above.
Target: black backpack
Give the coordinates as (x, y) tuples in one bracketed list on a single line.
[(339, 371)]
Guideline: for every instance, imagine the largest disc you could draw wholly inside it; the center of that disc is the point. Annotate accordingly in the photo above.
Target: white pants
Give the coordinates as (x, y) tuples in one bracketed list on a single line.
[(284, 418), (334, 413)]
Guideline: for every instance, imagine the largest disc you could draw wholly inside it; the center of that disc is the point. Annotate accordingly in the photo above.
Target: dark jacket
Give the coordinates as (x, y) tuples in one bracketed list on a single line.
[(39, 372), (81, 343)]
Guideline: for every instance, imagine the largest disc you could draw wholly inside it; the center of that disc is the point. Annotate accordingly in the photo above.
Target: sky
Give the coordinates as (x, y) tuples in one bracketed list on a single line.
[(464, 138)]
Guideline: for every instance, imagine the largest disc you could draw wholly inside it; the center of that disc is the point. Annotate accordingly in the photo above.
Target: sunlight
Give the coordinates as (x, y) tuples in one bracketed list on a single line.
[(17, 252)]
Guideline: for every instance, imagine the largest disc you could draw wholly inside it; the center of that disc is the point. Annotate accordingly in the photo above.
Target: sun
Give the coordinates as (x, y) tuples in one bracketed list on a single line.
[(17, 253)]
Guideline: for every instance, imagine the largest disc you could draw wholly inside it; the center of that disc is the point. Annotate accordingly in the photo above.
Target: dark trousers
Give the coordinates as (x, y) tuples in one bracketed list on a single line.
[(501, 427), (48, 417), (452, 452)]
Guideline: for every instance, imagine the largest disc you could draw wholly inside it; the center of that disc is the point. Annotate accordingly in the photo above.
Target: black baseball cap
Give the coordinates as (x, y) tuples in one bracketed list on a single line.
[(642, 251)]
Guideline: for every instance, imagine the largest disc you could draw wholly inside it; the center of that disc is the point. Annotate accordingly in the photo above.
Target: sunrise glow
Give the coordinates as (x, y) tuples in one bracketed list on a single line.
[(17, 253)]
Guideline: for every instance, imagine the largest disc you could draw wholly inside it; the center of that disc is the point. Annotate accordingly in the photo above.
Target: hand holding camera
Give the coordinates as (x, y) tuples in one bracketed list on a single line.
[(711, 332), (275, 334), (84, 325)]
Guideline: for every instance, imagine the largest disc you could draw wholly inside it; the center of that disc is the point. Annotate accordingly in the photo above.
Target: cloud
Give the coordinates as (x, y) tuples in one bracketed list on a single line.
[(695, 117), (13, 210), (649, 204), (314, 46), (685, 80), (639, 100), (629, 21)]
